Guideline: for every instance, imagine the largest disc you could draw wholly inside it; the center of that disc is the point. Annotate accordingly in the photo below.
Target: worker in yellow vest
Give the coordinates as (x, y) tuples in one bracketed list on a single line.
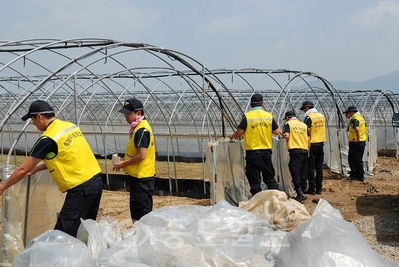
[(71, 163), (139, 159), (257, 127), (357, 136), (316, 123), (296, 134)]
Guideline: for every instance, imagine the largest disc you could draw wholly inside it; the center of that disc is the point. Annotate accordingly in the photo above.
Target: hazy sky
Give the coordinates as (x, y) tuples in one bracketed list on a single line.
[(350, 40)]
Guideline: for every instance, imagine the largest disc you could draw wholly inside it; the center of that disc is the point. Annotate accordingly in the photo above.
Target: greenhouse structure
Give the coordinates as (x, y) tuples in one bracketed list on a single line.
[(193, 110)]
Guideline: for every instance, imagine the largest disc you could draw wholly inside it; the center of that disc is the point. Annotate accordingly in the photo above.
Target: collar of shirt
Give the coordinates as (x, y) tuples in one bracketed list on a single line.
[(312, 110), (257, 107)]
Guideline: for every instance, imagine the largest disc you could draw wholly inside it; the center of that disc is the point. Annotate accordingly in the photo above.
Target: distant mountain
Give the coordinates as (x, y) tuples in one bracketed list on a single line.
[(384, 82)]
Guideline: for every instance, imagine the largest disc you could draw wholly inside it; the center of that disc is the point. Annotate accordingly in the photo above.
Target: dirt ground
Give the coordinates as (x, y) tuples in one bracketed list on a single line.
[(377, 196)]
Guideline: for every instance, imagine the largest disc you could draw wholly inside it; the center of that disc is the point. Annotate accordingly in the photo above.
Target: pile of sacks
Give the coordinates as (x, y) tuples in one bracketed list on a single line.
[(268, 230)]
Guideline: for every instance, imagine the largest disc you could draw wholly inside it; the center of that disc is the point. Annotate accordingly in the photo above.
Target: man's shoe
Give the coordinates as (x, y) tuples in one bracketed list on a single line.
[(355, 179), (300, 196), (318, 191), (310, 192)]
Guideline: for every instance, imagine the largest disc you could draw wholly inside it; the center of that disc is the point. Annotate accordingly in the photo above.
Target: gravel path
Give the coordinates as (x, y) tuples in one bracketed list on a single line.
[(382, 234)]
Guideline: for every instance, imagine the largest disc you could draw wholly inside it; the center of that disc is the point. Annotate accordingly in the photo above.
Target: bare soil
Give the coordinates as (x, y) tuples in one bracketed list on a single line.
[(377, 195)]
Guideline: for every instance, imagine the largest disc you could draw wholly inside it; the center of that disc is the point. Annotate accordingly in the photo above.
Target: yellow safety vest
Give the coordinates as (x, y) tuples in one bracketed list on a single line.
[(318, 128), (362, 128), (146, 167), (258, 134), (75, 162), (298, 135)]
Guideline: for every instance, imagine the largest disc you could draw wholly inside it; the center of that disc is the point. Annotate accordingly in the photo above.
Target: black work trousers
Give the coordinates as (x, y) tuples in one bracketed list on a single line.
[(81, 201), (298, 167), (257, 164), (141, 202), (355, 160), (316, 158)]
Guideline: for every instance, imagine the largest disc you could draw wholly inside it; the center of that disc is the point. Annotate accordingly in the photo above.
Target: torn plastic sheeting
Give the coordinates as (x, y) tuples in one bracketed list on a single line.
[(224, 235), (54, 248), (327, 240)]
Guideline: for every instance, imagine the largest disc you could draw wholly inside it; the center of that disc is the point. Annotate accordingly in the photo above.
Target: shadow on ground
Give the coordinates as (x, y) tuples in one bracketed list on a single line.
[(385, 210)]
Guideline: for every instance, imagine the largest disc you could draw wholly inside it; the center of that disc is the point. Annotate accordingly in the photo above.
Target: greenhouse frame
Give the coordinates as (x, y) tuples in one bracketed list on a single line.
[(193, 110)]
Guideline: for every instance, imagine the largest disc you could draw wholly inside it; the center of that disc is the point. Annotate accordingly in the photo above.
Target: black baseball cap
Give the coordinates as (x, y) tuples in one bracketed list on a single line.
[(306, 104), (131, 105), (289, 114), (256, 100), (38, 107), (350, 109)]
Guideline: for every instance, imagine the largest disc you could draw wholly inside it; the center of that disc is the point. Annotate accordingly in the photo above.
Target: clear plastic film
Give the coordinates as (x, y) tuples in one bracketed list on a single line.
[(30, 207)]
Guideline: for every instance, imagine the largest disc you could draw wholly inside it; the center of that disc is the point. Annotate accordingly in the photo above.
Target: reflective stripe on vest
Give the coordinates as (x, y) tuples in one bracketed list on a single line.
[(298, 135), (318, 128), (362, 128), (75, 162), (146, 167), (258, 134)]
